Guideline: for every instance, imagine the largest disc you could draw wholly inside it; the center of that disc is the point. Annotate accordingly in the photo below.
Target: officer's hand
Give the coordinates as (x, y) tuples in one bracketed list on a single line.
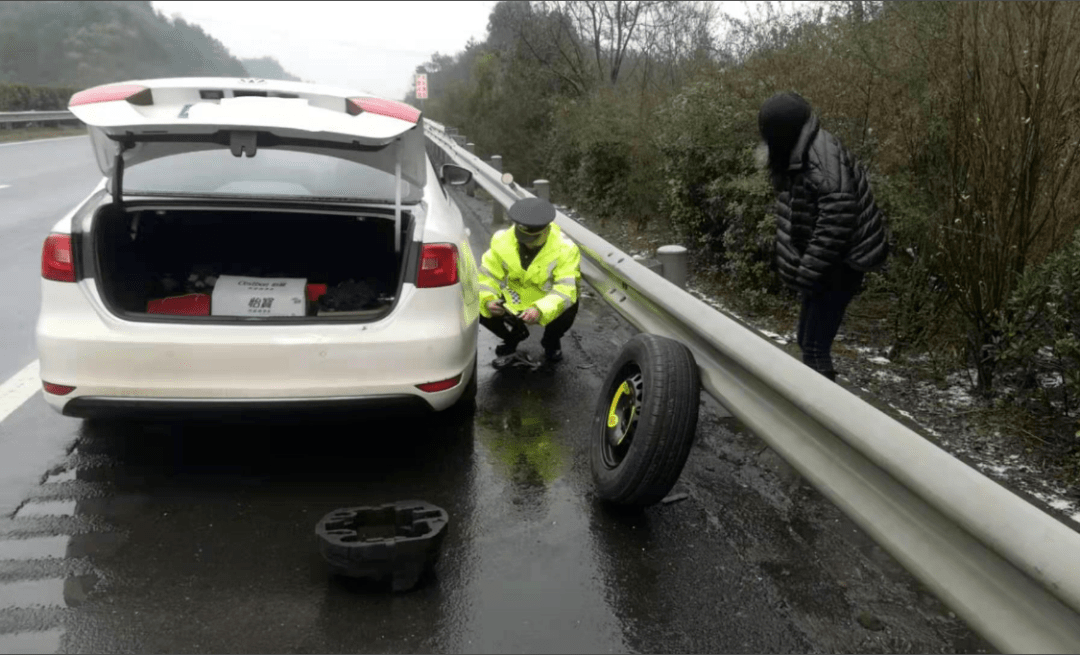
[(531, 315), (496, 308)]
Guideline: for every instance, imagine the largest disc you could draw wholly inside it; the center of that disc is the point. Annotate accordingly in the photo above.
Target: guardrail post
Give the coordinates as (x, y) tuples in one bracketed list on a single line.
[(673, 261), (542, 189), (497, 211), (470, 188)]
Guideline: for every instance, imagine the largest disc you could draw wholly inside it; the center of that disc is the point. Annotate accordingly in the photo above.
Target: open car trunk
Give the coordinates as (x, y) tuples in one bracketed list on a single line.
[(168, 264)]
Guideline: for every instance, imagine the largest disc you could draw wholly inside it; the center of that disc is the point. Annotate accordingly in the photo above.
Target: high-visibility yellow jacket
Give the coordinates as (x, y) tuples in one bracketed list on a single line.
[(550, 284)]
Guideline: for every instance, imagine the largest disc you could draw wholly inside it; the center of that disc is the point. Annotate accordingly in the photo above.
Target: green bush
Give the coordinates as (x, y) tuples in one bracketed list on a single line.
[(914, 276), (603, 157), (21, 97), (715, 195), (1040, 331), (749, 240)]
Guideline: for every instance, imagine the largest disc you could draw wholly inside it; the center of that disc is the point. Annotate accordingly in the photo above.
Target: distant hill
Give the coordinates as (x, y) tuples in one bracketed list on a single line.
[(83, 44), (268, 68)]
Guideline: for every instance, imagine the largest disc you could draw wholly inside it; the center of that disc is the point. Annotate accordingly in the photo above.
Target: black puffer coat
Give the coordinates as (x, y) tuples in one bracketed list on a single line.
[(826, 214)]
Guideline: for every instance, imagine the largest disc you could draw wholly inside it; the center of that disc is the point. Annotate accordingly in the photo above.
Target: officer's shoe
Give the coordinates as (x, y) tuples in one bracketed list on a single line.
[(505, 349), (553, 354)]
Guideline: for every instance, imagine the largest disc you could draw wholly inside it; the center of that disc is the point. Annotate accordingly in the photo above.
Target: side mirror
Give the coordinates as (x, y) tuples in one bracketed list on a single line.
[(455, 175)]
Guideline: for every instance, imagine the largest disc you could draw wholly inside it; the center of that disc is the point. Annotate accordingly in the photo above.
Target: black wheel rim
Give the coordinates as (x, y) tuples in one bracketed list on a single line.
[(620, 424)]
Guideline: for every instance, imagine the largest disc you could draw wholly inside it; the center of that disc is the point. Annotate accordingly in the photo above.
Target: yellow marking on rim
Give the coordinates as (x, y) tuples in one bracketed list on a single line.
[(612, 419)]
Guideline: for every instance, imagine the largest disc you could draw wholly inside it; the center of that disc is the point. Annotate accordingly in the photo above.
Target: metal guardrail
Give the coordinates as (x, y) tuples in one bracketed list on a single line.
[(11, 117), (1009, 569)]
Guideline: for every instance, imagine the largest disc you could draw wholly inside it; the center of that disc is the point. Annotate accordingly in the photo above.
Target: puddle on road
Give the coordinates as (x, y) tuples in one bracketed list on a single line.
[(524, 443), (47, 641), (47, 508), (35, 548), (50, 592)]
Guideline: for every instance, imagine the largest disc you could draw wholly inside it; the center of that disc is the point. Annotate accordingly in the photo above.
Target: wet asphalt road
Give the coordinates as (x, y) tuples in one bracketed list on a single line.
[(40, 182), (191, 537)]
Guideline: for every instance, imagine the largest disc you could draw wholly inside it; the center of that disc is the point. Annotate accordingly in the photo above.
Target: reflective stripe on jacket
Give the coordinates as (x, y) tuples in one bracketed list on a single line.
[(550, 284)]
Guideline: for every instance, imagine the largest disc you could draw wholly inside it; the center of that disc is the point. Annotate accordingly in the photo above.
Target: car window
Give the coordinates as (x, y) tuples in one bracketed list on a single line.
[(271, 172)]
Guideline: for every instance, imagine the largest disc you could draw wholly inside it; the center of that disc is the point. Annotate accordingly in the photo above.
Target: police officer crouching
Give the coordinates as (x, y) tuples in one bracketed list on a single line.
[(533, 270)]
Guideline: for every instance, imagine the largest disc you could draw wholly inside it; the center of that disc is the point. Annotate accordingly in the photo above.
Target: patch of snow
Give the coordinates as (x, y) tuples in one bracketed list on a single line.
[(1061, 504), (1051, 380), (1076, 517), (886, 376), (993, 468), (879, 360), (865, 350), (775, 337), (959, 397)]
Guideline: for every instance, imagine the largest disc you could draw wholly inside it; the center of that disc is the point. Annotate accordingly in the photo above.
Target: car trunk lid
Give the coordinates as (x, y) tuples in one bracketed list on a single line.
[(136, 122)]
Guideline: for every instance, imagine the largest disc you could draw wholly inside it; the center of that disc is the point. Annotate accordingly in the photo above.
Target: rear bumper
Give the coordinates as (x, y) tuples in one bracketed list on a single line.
[(178, 409), (116, 366)]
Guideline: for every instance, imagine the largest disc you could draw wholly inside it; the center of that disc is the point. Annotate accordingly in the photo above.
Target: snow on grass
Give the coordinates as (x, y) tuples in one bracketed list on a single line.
[(996, 469), (879, 360), (928, 430), (1051, 381), (774, 336), (886, 376)]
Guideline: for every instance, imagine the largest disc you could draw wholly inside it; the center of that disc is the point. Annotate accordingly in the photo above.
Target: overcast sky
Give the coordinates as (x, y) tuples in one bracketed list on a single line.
[(370, 46)]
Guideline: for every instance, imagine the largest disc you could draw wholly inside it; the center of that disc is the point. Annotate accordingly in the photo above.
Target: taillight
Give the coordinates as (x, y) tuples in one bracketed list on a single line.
[(57, 389), (391, 108), (56, 261), (133, 93), (432, 387), (438, 266)]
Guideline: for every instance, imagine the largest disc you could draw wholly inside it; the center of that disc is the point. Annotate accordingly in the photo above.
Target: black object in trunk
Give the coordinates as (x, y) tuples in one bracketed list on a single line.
[(351, 296), (149, 254)]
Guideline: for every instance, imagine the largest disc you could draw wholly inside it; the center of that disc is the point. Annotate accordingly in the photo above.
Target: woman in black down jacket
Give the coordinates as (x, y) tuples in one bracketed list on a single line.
[(829, 231)]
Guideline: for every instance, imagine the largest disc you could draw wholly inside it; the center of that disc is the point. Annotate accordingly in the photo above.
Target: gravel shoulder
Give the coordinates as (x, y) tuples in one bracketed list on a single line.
[(926, 393), (842, 590)]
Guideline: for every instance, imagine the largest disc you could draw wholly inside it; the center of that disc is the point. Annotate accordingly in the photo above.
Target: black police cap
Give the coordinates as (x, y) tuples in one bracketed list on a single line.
[(532, 212)]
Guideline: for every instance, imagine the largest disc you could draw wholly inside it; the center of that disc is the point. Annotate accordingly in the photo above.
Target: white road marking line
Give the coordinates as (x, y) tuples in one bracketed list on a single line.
[(35, 548), (5, 186), (59, 138), (21, 387), (33, 593), (47, 508)]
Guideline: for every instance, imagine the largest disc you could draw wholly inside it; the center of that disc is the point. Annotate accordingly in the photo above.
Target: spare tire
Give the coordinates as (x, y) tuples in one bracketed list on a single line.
[(645, 421)]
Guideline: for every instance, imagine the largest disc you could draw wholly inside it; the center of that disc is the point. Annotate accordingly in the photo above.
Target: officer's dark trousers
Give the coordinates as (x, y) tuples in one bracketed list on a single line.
[(553, 332), (821, 315)]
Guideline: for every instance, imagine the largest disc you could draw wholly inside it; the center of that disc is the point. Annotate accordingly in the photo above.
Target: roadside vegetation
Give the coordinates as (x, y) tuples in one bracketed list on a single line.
[(967, 115), (74, 45), (43, 132)]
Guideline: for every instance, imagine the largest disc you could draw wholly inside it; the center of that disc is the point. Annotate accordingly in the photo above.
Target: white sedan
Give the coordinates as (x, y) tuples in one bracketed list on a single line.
[(257, 244)]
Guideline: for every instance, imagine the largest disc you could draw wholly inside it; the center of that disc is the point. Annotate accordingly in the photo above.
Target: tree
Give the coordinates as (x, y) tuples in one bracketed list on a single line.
[(1014, 144)]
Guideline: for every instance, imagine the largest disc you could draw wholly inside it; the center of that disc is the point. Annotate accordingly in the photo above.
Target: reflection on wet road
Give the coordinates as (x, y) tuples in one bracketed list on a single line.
[(188, 537), (200, 538)]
